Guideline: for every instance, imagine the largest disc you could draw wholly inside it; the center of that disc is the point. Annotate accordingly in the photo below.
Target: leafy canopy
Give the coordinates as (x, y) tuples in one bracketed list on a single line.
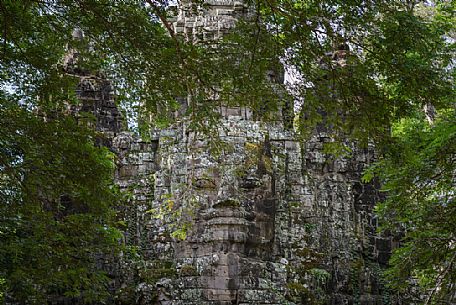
[(56, 217)]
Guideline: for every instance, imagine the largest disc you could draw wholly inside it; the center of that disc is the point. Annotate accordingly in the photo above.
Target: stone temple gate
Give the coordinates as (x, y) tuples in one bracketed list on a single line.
[(269, 220)]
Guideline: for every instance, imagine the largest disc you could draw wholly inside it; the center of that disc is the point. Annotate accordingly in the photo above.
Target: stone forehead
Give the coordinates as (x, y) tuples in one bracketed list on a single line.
[(239, 141)]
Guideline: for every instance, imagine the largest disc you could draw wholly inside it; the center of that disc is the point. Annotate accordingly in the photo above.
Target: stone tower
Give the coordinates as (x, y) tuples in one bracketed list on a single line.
[(209, 21), (268, 219)]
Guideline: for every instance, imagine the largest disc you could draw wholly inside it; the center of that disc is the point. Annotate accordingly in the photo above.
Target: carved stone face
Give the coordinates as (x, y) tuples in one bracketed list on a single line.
[(236, 193), (233, 196)]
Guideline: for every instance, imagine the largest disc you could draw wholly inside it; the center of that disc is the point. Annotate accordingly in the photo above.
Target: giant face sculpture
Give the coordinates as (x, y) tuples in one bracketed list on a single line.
[(237, 196), (231, 197)]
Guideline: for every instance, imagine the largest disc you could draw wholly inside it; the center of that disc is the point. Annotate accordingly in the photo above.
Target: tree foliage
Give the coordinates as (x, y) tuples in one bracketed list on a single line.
[(56, 217), (418, 174), (56, 191)]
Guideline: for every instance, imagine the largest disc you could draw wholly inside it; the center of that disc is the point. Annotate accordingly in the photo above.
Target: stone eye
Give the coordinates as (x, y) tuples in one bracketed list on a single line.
[(249, 183), (204, 183)]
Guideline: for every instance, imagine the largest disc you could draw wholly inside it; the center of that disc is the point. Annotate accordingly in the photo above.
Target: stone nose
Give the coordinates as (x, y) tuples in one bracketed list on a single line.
[(227, 191)]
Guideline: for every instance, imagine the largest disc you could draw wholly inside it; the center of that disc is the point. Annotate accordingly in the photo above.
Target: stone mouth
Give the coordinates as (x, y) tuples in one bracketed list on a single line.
[(221, 211), (223, 222)]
